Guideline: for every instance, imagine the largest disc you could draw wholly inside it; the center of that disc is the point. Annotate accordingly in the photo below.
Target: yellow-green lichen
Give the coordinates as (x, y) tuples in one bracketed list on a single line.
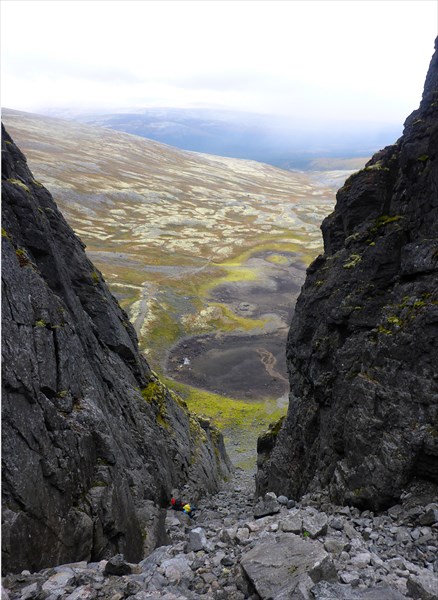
[(19, 184), (394, 320), (353, 261), (419, 304), (384, 330), (6, 235)]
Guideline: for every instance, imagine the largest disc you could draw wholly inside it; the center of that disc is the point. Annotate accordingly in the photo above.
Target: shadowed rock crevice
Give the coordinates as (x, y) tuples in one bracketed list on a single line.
[(362, 350), (92, 442)]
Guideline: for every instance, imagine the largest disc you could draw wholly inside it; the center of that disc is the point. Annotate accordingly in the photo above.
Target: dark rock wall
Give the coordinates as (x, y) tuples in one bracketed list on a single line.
[(92, 442), (362, 349)]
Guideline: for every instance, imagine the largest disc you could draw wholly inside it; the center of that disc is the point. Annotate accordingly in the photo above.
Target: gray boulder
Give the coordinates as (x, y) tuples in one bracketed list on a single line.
[(177, 569), (278, 568), (267, 506), (430, 517), (335, 591), (292, 524), (197, 540), (423, 587), (117, 565), (315, 524)]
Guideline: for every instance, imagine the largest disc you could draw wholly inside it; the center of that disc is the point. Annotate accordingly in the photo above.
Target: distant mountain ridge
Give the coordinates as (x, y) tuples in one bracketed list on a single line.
[(280, 141)]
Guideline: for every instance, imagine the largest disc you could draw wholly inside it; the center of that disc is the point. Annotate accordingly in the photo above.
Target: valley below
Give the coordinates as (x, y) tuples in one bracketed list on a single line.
[(206, 254)]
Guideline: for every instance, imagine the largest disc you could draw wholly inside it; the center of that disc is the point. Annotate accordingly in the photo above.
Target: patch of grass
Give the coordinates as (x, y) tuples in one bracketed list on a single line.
[(228, 413), (419, 304), (231, 321), (240, 421), (164, 330), (278, 259), (274, 428), (296, 246), (231, 274)]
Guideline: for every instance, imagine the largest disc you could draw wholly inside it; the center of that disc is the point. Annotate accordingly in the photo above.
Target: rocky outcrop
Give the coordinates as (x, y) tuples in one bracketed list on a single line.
[(362, 350), (93, 443)]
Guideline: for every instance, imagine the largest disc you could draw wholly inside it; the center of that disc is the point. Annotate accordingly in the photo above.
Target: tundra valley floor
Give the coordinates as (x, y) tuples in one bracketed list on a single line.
[(206, 254)]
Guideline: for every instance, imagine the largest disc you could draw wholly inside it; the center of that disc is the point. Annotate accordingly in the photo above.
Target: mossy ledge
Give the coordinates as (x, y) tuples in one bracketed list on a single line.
[(171, 411)]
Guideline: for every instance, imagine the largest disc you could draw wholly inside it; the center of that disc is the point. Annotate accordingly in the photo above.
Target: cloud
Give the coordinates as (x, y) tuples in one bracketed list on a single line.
[(288, 57), (41, 66)]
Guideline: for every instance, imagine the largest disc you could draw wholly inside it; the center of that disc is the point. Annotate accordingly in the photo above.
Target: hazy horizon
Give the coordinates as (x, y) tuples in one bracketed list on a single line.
[(318, 61)]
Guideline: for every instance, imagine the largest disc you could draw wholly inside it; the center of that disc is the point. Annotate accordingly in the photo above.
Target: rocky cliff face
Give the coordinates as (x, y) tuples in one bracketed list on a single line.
[(93, 443), (362, 350)]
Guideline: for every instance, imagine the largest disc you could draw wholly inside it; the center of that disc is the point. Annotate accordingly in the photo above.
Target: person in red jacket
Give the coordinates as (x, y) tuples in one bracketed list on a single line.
[(176, 503)]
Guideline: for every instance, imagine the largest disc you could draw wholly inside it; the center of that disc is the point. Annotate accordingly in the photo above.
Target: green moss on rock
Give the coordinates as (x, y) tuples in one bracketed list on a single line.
[(19, 184), (155, 393)]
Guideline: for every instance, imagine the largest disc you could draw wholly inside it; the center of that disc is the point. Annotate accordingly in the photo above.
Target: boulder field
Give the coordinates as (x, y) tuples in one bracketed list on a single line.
[(237, 547)]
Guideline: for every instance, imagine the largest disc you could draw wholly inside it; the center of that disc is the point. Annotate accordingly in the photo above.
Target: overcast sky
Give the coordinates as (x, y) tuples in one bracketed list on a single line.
[(313, 59)]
